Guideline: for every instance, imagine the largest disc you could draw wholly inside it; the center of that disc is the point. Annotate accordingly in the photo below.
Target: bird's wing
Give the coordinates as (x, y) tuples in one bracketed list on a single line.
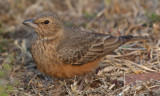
[(87, 48)]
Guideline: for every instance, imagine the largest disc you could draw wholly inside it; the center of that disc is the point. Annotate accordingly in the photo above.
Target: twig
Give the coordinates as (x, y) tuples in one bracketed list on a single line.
[(80, 8), (68, 2), (31, 80), (97, 16), (141, 66)]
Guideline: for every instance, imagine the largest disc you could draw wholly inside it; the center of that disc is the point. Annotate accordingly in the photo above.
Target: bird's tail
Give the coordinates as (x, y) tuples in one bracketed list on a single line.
[(131, 39)]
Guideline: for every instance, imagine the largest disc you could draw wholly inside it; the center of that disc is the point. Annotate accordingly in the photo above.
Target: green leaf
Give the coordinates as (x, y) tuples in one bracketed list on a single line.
[(4, 93), (2, 73), (7, 66), (9, 87), (107, 2), (1, 89)]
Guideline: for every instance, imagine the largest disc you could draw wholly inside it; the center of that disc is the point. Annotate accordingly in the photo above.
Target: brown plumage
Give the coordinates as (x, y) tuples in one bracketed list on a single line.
[(64, 52)]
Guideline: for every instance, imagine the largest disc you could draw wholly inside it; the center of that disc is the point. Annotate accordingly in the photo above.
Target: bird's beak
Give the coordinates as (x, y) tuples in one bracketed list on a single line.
[(30, 23)]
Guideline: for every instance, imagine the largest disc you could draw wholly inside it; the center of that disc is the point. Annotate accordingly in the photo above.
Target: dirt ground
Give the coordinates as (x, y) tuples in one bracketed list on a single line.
[(131, 70)]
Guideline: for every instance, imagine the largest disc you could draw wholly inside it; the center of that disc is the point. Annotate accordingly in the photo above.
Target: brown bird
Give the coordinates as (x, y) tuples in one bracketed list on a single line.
[(67, 52)]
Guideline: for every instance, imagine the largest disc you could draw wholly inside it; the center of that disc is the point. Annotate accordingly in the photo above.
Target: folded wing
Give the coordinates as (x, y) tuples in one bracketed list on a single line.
[(90, 46)]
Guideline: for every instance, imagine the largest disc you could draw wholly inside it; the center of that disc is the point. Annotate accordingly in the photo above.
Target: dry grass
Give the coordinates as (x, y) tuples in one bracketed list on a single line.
[(19, 76)]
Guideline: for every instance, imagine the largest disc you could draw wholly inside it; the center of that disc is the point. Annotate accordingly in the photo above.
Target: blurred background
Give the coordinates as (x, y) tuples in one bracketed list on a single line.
[(19, 76)]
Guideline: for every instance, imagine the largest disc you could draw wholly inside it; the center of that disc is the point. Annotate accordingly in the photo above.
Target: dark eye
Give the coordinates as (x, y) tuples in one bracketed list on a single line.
[(46, 21)]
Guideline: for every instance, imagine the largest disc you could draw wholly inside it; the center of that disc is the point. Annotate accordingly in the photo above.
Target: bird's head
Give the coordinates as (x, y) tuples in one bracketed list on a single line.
[(46, 24)]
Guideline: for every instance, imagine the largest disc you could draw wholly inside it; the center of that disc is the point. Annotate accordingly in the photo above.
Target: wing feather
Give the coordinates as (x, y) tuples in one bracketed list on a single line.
[(88, 48)]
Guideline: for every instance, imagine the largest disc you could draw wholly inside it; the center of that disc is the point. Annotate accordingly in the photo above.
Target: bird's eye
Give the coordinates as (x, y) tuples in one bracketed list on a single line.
[(46, 21)]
